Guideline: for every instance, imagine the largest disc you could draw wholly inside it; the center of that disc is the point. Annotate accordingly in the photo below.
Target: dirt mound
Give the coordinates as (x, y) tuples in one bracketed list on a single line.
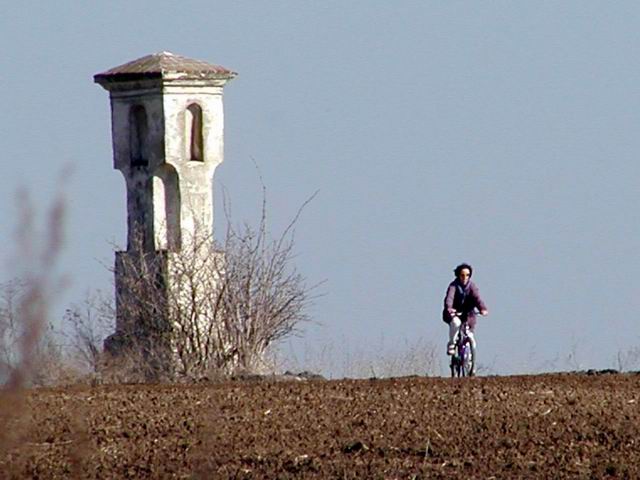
[(560, 426)]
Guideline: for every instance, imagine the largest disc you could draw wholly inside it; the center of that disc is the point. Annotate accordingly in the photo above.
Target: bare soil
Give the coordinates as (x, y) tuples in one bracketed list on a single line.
[(549, 426)]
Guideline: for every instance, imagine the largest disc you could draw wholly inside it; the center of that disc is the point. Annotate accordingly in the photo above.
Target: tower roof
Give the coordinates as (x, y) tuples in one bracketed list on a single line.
[(162, 65)]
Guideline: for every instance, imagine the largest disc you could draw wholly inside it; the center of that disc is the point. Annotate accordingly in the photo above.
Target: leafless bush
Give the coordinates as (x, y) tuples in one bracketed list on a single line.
[(47, 363), (263, 297), (130, 365), (163, 319), (207, 309), (85, 327)]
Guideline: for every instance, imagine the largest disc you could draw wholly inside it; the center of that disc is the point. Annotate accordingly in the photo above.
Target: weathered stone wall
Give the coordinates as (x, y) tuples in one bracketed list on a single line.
[(196, 177)]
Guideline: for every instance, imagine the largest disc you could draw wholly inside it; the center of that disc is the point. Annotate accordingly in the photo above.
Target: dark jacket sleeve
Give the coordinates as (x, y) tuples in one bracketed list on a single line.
[(480, 305), (448, 303)]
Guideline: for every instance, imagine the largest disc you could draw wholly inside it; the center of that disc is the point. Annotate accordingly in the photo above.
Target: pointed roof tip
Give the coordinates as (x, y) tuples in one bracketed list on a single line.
[(159, 65)]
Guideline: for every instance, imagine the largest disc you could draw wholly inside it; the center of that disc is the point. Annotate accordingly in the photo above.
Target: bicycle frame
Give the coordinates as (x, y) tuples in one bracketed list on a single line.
[(463, 360)]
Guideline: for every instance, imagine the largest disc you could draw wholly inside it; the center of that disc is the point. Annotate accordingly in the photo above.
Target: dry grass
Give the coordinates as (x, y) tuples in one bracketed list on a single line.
[(383, 359)]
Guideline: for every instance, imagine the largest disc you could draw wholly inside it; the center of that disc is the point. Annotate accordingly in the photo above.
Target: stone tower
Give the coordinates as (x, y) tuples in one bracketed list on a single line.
[(167, 128)]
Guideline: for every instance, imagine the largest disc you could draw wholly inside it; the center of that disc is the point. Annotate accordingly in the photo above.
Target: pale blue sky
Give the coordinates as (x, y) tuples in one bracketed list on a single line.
[(504, 134)]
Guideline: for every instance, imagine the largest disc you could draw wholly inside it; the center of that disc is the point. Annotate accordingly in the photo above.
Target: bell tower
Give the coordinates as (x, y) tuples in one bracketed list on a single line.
[(167, 123), (167, 129)]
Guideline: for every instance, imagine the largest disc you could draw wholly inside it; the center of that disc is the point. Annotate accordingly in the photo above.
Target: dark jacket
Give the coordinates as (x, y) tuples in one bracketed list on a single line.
[(462, 299)]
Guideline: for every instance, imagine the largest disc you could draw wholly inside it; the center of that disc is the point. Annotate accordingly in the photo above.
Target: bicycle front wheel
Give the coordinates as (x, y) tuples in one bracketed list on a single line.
[(468, 361)]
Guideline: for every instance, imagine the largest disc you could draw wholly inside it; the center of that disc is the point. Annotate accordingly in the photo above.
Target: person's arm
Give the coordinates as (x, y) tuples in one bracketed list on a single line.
[(480, 305), (448, 299)]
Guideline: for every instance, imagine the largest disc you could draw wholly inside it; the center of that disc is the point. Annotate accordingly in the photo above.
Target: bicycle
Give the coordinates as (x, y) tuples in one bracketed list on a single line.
[(463, 360)]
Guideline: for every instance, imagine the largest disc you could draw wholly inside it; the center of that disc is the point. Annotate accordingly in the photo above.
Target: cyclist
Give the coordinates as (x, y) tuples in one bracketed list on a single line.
[(460, 304)]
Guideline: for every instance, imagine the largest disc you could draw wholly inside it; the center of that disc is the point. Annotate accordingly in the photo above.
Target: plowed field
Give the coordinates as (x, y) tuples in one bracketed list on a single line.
[(549, 426)]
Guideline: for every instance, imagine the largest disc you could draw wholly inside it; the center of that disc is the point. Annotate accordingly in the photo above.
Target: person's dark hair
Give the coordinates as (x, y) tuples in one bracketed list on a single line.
[(461, 267)]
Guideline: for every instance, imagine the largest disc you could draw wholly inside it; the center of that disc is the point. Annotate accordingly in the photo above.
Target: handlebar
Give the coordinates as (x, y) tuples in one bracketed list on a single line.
[(476, 312)]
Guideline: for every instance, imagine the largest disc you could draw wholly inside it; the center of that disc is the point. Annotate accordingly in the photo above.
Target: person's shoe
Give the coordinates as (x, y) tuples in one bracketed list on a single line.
[(451, 349)]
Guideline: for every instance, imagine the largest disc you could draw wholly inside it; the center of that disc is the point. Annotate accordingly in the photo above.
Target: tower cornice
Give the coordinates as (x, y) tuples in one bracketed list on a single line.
[(159, 69)]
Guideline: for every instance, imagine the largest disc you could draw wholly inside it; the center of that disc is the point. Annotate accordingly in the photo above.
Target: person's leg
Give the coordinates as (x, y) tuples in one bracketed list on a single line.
[(472, 338), (454, 328)]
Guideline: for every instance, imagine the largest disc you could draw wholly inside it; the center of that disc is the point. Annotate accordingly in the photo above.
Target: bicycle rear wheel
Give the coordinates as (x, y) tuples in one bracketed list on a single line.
[(454, 365)]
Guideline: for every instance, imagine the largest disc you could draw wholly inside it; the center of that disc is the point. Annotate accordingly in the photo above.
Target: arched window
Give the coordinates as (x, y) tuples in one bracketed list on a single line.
[(193, 124), (138, 131)]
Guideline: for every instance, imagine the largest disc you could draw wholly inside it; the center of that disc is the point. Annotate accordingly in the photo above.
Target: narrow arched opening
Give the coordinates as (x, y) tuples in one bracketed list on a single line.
[(166, 209), (159, 215), (194, 137), (138, 133)]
